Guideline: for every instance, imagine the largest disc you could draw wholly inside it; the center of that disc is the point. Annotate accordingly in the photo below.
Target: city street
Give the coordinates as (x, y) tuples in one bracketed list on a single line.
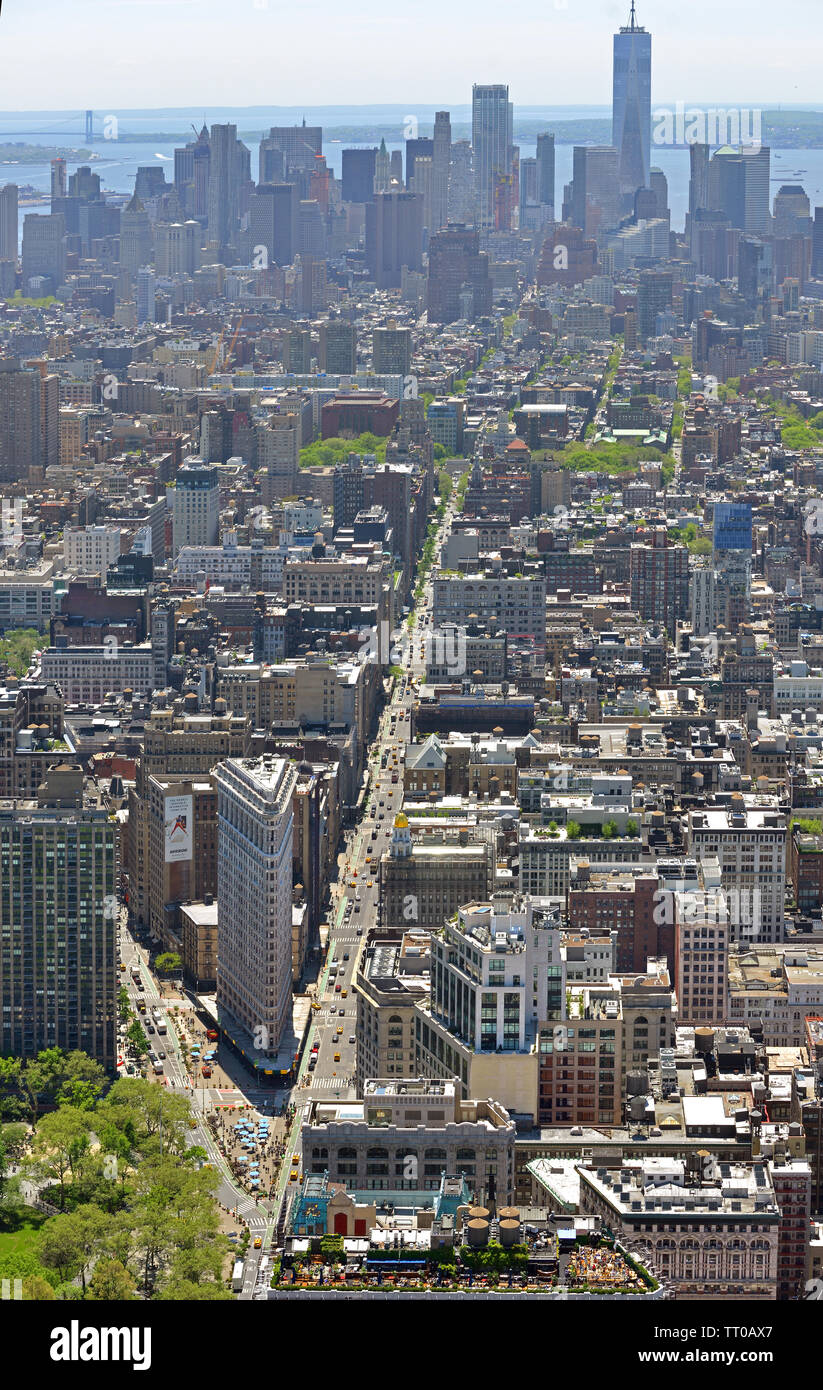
[(355, 908)]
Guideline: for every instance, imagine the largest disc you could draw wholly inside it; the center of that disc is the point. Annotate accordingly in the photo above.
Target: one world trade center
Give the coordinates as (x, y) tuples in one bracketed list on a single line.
[(632, 104)]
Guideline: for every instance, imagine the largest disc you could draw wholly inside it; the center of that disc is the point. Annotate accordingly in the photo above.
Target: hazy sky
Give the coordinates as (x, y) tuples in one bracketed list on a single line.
[(110, 54)]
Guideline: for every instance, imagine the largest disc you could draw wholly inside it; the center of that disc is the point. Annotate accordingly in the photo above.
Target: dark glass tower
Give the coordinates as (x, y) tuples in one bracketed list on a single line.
[(632, 104)]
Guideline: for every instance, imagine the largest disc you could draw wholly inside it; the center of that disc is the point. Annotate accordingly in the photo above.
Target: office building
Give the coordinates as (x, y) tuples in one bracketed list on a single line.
[(278, 455), (135, 236), (459, 280), (631, 104), (58, 919), (595, 188), (338, 347), (660, 580), (492, 140), (91, 549), (791, 1178), (405, 1134), (441, 163), (462, 199), (394, 237), (20, 421), (44, 248), (708, 1238), (654, 296), (391, 350), (358, 170), (738, 186), (225, 169), (8, 222), (176, 247), (392, 973), (273, 222), (750, 844), (701, 930), (195, 505), (497, 975), (545, 171), (424, 882), (300, 146), (254, 897)]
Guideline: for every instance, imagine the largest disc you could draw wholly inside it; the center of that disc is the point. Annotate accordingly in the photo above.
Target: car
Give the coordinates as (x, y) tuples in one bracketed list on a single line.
[(342, 1013), (339, 1032), (352, 1039), (359, 931), (258, 1242), (344, 994), (149, 1027), (295, 1158), (293, 1175), (345, 955), (337, 989), (161, 1055), (337, 1056)]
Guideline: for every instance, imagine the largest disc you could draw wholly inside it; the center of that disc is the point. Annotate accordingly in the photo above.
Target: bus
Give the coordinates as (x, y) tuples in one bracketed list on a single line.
[(237, 1276)]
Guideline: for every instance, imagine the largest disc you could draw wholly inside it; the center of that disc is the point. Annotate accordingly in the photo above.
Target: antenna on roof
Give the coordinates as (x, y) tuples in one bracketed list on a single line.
[(632, 25)]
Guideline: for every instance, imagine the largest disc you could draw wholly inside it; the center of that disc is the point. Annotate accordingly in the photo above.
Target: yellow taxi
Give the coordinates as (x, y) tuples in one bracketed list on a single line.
[(258, 1243), (344, 994), (337, 1056)]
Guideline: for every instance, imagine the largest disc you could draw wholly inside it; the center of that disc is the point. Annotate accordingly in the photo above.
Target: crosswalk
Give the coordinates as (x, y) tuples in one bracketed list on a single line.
[(329, 1083)]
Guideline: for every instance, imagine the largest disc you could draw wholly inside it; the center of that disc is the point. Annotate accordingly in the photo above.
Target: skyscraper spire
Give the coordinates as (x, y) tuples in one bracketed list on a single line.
[(632, 17)]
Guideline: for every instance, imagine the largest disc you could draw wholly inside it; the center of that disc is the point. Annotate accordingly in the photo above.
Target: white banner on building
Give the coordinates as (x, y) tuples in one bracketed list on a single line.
[(179, 824)]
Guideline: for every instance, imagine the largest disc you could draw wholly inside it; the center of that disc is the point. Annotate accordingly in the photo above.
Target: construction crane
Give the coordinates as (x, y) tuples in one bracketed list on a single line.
[(213, 366)]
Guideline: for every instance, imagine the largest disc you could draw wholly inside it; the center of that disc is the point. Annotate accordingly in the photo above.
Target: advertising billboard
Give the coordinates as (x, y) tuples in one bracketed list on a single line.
[(179, 827)]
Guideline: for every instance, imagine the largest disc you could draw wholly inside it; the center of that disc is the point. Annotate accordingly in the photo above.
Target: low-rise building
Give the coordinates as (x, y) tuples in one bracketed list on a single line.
[(714, 1237), (405, 1134)]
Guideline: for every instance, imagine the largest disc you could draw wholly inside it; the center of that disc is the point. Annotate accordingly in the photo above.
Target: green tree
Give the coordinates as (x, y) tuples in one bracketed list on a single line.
[(573, 830), (12, 1102), (40, 1079), (61, 1144), (169, 963), (84, 1081), (36, 1289), (60, 1246), (14, 1137), (136, 1039), (16, 648), (111, 1282), (610, 830), (445, 486), (186, 1291)]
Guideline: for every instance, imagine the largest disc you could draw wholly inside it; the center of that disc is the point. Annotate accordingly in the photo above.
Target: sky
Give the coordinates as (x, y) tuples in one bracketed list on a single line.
[(105, 54)]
